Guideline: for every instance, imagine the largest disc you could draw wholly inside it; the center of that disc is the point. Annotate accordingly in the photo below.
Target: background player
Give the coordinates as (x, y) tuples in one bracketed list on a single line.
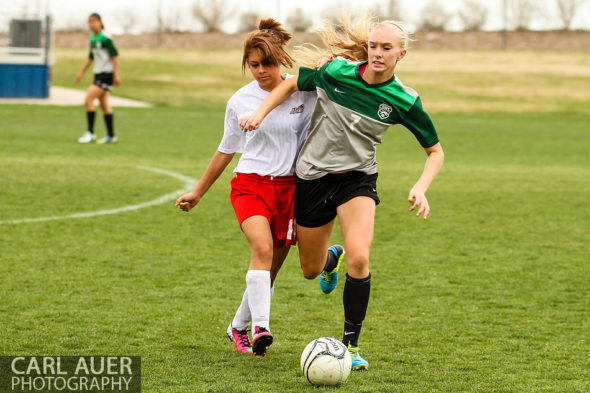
[(337, 169), (263, 190), (106, 72)]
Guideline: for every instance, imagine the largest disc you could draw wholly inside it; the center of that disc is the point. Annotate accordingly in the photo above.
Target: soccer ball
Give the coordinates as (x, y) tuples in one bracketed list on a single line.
[(326, 361)]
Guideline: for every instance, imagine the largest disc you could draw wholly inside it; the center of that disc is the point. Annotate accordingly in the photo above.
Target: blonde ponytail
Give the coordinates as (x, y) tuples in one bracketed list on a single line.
[(350, 40)]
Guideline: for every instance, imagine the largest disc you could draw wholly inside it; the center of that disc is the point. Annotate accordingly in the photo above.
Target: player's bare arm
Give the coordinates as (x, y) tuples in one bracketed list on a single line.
[(216, 167), (83, 70), (278, 95), (116, 77), (417, 196)]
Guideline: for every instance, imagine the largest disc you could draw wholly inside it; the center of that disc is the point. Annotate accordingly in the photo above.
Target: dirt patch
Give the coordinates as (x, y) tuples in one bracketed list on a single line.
[(522, 40), (63, 96)]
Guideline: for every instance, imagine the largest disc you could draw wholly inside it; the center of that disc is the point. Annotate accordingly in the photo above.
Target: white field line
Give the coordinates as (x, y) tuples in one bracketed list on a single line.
[(189, 184)]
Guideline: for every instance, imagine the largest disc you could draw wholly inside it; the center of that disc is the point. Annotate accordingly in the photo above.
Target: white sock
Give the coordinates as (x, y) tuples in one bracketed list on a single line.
[(272, 292), (258, 282), (242, 317)]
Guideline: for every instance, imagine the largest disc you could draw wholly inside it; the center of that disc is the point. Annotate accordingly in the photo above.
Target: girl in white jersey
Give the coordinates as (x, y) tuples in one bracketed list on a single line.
[(337, 168), (106, 72), (263, 190)]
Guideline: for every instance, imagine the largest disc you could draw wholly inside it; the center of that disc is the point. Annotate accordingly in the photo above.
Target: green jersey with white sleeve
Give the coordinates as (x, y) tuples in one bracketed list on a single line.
[(102, 51), (351, 116)]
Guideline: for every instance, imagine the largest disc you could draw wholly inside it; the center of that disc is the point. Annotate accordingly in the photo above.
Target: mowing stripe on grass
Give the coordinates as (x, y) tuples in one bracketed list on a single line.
[(189, 183)]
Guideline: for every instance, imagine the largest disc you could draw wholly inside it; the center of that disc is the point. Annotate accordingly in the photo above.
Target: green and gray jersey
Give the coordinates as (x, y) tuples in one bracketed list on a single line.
[(102, 51), (351, 116)]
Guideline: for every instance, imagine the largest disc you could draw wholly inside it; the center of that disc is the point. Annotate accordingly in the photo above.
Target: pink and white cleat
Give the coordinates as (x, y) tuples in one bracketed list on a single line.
[(261, 340), (240, 338)]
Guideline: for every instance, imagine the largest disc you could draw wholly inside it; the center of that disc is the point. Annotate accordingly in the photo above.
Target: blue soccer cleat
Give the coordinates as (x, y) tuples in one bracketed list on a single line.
[(358, 363), (107, 139), (329, 280)]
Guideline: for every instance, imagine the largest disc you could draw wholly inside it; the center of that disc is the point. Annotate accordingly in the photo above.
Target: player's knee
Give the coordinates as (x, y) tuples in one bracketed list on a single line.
[(310, 274), (357, 263), (262, 251), (311, 271)]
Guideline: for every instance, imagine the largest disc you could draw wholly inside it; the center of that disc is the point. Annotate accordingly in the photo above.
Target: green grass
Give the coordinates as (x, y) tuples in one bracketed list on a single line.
[(490, 294)]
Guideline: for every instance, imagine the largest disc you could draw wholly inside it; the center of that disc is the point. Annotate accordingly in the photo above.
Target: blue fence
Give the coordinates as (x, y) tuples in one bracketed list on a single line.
[(24, 80)]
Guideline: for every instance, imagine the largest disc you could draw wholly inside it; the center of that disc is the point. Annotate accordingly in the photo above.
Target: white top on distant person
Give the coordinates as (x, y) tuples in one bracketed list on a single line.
[(263, 190)]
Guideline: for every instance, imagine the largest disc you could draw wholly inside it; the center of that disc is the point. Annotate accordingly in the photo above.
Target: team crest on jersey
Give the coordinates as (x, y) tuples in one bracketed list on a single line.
[(98, 45), (384, 111), (298, 109)]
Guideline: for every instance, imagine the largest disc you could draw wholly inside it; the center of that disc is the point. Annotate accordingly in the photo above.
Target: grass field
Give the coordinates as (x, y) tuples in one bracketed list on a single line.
[(491, 294)]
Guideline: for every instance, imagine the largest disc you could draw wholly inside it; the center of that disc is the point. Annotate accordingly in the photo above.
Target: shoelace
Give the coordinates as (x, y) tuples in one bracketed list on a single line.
[(261, 330), (243, 336)]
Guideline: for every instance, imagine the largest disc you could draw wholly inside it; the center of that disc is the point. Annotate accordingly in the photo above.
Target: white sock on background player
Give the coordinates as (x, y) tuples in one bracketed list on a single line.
[(258, 282)]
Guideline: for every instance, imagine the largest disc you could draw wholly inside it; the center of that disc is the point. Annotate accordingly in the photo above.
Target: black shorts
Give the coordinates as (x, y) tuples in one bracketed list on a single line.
[(104, 80), (316, 200)]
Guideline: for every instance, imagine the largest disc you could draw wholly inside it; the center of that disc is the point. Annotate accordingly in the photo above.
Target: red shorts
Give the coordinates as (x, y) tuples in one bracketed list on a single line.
[(271, 197)]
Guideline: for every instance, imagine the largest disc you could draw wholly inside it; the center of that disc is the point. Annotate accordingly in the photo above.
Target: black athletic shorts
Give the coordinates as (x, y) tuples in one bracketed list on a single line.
[(104, 80), (316, 200)]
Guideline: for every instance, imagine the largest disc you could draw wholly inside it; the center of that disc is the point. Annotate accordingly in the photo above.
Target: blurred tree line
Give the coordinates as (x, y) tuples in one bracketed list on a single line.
[(434, 15)]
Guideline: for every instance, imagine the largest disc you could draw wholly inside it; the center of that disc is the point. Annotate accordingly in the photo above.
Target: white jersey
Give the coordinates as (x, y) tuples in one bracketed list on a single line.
[(270, 150)]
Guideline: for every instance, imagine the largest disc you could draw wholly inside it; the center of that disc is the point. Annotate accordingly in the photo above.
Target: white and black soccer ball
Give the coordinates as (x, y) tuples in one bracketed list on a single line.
[(326, 361)]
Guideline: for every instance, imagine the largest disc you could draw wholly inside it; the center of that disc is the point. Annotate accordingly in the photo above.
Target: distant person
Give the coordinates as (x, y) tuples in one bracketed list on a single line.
[(106, 72), (359, 97), (263, 190)]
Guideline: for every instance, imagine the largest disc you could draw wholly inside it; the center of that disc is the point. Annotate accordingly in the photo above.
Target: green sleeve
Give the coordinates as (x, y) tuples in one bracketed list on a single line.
[(110, 45), (306, 80), (419, 123)]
